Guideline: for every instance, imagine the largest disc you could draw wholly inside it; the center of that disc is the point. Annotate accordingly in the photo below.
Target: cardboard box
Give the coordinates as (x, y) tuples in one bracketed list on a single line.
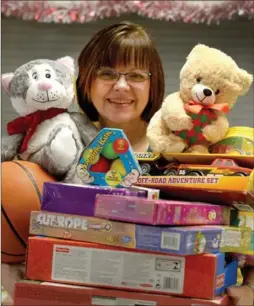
[(151, 193), (75, 227), (235, 239), (160, 212), (73, 262), (45, 293), (185, 240), (78, 199), (109, 160), (219, 189), (242, 218)]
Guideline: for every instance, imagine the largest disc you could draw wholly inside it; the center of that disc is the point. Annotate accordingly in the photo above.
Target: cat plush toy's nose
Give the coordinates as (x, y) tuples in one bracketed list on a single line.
[(45, 86)]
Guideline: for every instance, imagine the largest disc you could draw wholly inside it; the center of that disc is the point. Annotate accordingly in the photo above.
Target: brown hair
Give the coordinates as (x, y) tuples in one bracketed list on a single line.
[(121, 43)]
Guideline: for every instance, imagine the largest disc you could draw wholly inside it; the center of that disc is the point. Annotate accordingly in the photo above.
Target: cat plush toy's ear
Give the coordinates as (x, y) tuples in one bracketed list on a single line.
[(6, 80), (68, 61)]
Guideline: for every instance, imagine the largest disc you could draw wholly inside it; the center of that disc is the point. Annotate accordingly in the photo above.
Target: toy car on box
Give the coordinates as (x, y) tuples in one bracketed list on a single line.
[(225, 188), (219, 167), (153, 164)]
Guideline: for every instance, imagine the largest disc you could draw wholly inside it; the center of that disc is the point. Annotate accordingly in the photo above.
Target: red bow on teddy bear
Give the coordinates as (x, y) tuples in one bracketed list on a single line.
[(196, 107)]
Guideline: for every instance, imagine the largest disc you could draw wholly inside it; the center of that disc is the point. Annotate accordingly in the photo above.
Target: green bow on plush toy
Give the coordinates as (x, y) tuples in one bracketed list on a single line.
[(201, 115)]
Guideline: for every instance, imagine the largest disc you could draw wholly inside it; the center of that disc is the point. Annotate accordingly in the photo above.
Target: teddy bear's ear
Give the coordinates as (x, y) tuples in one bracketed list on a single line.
[(68, 61), (197, 49), (244, 81), (194, 54), (6, 80)]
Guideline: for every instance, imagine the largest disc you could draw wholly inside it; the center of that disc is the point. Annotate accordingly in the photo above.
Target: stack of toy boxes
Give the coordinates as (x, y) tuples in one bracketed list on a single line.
[(131, 255), (221, 178), (126, 248), (127, 257)]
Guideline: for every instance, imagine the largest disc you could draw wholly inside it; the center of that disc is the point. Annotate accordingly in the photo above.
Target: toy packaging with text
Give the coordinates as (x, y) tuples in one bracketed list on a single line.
[(109, 160), (221, 178), (75, 262), (184, 240)]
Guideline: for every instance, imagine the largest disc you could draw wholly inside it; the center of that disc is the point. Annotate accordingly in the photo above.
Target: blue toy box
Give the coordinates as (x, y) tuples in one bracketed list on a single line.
[(190, 240)]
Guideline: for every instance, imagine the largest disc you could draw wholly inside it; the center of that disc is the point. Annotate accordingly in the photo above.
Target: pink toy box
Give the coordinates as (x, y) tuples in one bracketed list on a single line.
[(160, 212)]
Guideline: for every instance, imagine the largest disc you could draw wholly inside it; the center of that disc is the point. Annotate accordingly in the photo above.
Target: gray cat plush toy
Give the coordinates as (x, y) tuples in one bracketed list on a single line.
[(41, 91)]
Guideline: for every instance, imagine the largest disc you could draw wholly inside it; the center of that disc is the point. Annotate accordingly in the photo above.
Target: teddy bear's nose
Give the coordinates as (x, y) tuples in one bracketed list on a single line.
[(207, 92)]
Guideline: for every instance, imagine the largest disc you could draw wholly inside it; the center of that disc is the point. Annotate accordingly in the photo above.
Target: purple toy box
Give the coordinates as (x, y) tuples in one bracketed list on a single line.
[(181, 240), (190, 240), (78, 199), (160, 212)]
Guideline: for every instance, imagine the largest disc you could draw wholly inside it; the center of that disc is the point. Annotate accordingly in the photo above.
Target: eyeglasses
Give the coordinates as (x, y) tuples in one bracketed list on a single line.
[(110, 75)]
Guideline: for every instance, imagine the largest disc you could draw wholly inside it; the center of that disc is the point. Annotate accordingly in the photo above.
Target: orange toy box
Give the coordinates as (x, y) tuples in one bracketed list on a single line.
[(222, 178), (90, 264), (53, 294)]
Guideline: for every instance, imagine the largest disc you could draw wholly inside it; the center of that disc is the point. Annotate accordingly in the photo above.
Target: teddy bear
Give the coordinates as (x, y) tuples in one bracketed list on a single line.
[(41, 91), (195, 117)]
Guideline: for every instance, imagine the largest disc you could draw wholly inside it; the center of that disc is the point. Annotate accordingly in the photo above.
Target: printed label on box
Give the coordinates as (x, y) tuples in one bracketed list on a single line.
[(235, 239), (81, 228), (231, 238), (220, 281), (107, 301), (160, 273), (170, 241)]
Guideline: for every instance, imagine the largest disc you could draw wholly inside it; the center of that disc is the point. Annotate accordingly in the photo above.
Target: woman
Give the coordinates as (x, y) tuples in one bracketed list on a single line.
[(121, 81)]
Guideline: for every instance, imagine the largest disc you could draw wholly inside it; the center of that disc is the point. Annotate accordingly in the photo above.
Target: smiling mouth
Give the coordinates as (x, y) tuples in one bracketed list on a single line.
[(120, 102), (45, 101), (199, 99)]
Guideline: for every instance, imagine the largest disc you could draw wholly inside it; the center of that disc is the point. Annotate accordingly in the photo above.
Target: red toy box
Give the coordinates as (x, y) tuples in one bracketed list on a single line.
[(74, 262), (36, 293)]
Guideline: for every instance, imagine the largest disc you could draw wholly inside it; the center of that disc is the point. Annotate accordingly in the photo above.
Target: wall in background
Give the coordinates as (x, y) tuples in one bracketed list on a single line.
[(23, 41)]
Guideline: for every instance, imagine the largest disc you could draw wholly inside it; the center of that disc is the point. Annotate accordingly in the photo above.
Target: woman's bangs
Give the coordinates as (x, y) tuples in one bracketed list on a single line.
[(128, 52)]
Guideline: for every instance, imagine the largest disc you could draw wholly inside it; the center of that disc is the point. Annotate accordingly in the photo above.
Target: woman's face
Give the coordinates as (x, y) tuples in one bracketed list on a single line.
[(120, 100)]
